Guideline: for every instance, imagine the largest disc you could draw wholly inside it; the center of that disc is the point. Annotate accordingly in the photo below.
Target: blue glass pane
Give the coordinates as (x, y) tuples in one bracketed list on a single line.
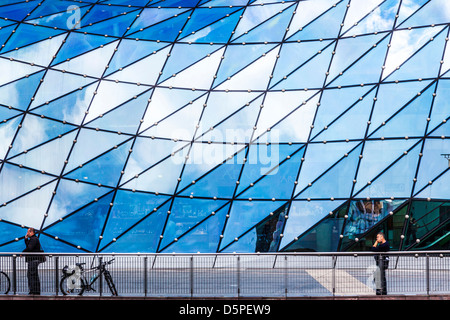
[(151, 16), (364, 214), (17, 11), (176, 3), (129, 207), (9, 232), (50, 244), (441, 105), (202, 238), (26, 34), (185, 214), (7, 131), (218, 32), (245, 215), (104, 169), (144, 237), (119, 25), (49, 8), (67, 19), (73, 228), (18, 94), (99, 13)]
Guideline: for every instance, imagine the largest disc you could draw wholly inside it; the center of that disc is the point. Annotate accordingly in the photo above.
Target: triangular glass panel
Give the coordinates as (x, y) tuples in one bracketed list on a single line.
[(5, 33), (125, 118), (282, 176), (293, 55), (100, 12), (367, 69), (425, 62), (147, 152), (404, 43), (218, 32), (12, 70), (90, 144), (306, 12), (49, 8), (433, 12), (239, 57), (238, 127), (79, 43), (176, 3), (129, 207), (202, 17), (311, 75), (116, 26), (357, 10), (203, 237), (296, 126), (70, 107), (67, 83), (397, 180), (350, 124), (152, 16), (438, 190), (325, 26), (441, 104), (145, 71), (67, 19), (26, 34), (16, 181), (164, 102), (185, 214), (38, 158), (378, 155), (410, 121), (219, 182), (336, 182), (92, 63), (130, 51), (19, 211), (334, 104), (182, 56), (162, 177), (40, 53), (349, 50), (220, 106), (245, 215), (50, 244), (83, 228), (7, 132), (9, 232), (304, 215), (381, 18), (319, 157), (109, 95), (36, 130), (200, 75), (167, 30), (272, 30), (391, 98), (18, 94), (407, 9), (265, 237), (144, 237), (105, 169), (71, 196), (432, 163), (255, 15), (17, 11)]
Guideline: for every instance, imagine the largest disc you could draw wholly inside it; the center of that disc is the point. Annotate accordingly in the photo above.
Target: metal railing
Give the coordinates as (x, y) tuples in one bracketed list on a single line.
[(237, 275)]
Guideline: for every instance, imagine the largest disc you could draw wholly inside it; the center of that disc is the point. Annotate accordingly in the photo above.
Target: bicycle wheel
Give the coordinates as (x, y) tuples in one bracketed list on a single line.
[(67, 283), (5, 283), (111, 284)]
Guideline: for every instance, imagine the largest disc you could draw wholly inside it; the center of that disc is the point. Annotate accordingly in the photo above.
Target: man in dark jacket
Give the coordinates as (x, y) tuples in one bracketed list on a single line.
[(32, 245), (381, 245)]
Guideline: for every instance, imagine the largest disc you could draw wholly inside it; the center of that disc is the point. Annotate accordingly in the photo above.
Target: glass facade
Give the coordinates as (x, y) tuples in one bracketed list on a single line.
[(224, 126)]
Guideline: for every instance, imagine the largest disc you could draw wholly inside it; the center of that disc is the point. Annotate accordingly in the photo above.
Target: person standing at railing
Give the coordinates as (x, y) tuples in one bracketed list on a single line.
[(32, 245), (381, 245)]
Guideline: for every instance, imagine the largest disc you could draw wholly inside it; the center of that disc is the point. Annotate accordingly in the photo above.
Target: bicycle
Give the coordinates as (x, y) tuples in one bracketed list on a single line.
[(74, 281), (5, 283)]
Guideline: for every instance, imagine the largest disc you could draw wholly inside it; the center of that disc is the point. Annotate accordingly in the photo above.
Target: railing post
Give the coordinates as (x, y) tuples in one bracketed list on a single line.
[(285, 276), (191, 275), (14, 275), (100, 285), (238, 271), (333, 275), (56, 275), (145, 275), (427, 272)]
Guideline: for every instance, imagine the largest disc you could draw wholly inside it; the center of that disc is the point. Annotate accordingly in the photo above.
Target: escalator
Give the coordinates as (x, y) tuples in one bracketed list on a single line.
[(436, 239)]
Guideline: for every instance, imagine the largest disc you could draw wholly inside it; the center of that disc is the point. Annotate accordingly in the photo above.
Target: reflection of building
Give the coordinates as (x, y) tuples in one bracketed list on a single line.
[(224, 126)]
